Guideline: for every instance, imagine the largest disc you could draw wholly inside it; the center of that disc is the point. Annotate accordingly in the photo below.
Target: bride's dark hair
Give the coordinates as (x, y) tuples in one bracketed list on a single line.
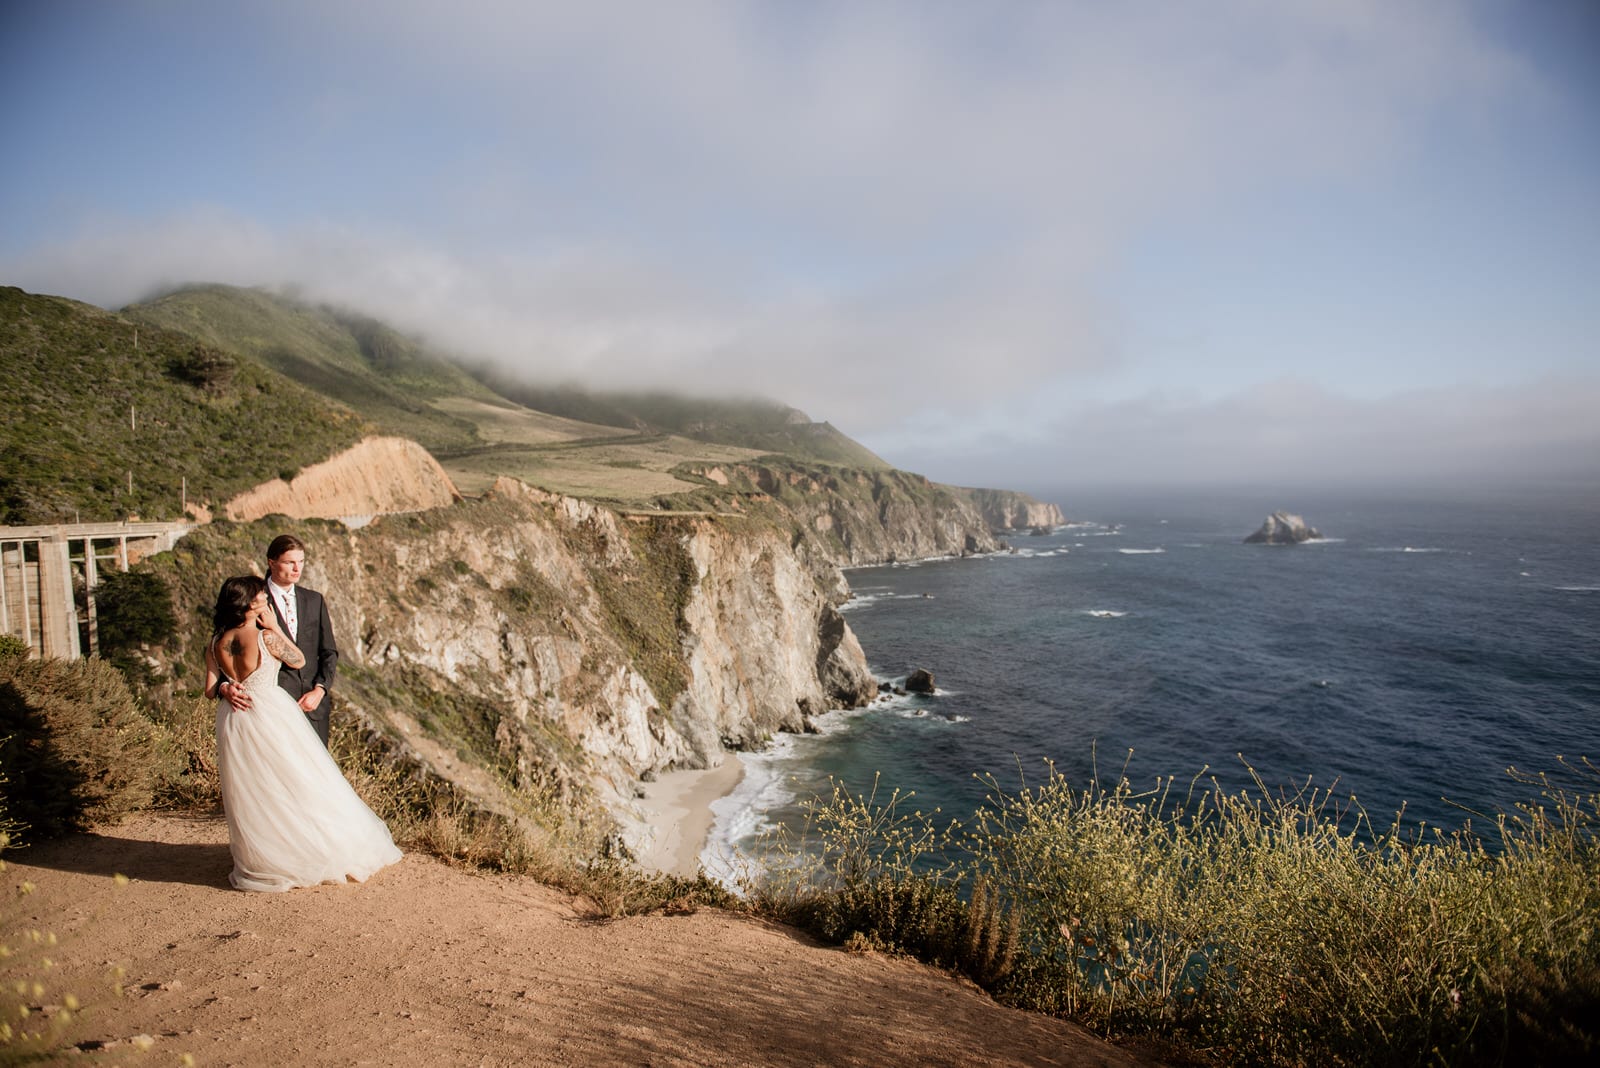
[(234, 600)]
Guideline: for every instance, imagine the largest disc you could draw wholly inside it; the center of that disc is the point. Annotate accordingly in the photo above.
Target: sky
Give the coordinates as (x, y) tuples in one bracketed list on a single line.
[(1052, 246)]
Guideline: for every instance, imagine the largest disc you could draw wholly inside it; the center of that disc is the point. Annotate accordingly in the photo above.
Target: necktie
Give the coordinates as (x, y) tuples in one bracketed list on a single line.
[(288, 613)]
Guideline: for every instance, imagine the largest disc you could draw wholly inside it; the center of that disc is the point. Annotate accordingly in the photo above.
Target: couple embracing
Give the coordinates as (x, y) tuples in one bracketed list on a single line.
[(293, 820)]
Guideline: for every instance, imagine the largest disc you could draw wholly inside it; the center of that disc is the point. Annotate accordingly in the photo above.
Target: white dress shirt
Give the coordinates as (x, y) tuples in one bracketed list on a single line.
[(284, 596)]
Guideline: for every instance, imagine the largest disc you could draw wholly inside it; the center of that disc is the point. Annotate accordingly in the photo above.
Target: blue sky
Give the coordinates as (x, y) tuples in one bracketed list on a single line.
[(1050, 245)]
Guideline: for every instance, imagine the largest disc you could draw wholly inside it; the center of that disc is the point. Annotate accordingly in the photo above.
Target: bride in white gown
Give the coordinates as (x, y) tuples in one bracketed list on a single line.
[(293, 820)]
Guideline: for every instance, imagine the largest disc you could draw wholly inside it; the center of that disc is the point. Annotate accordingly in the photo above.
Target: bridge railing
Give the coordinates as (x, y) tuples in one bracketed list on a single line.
[(41, 568)]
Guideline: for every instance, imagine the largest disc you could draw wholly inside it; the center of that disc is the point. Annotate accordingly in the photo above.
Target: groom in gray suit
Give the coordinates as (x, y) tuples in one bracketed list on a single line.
[(303, 615)]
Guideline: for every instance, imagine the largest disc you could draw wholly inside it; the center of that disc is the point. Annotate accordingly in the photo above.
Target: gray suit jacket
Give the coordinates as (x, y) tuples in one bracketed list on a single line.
[(315, 640)]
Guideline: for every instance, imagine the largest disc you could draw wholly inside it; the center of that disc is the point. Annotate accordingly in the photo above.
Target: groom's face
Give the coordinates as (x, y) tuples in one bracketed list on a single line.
[(286, 568)]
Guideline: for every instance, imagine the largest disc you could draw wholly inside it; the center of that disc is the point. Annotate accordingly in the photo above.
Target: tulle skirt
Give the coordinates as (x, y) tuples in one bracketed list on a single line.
[(293, 820)]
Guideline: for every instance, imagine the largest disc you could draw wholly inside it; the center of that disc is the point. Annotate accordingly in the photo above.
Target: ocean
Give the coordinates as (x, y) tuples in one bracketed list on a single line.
[(1408, 659)]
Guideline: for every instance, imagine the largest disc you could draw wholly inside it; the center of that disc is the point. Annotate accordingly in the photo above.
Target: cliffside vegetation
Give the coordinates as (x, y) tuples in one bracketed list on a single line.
[(1235, 929), (91, 399)]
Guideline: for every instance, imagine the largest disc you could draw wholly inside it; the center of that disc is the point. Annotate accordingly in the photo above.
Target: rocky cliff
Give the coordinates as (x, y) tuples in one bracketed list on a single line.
[(565, 644), (852, 517), (1007, 510)]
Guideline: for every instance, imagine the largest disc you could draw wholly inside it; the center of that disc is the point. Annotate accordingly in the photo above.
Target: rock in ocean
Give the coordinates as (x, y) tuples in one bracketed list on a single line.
[(1281, 528)]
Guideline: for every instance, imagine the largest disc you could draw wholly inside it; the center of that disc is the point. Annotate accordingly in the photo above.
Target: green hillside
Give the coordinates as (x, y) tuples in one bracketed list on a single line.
[(91, 397), (229, 387), (388, 378), (747, 423)]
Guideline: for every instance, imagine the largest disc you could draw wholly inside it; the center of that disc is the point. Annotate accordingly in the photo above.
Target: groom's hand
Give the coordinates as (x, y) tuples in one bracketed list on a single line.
[(237, 695), (311, 699)]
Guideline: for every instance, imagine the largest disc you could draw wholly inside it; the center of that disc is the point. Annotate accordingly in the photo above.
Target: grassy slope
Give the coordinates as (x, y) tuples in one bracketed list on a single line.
[(386, 377), (201, 417), (747, 423), (620, 447)]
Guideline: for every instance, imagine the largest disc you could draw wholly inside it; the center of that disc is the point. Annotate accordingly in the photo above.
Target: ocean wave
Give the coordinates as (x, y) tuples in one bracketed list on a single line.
[(1578, 589), (1140, 552), (931, 716), (863, 600), (1102, 613), (1408, 549), (744, 814)]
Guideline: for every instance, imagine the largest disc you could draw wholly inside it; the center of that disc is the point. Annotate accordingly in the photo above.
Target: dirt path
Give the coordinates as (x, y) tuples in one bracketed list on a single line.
[(426, 964)]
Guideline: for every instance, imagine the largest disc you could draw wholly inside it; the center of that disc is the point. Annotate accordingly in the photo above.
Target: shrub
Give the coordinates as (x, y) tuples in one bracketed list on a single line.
[(133, 610), (74, 747), (1250, 930)]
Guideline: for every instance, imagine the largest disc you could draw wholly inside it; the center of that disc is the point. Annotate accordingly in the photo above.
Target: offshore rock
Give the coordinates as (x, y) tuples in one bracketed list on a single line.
[(1282, 528), (920, 681)]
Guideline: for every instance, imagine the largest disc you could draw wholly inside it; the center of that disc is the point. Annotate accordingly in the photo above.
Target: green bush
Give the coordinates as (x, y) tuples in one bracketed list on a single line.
[(74, 747), (1287, 931), (133, 609)]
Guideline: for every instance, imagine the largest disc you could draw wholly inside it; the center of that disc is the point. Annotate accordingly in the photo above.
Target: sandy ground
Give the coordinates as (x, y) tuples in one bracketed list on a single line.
[(678, 806), (426, 964)]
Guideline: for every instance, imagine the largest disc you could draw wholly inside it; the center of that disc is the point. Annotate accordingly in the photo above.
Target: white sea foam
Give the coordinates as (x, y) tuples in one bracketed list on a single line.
[(1102, 613), (864, 600), (1408, 549), (1578, 589), (929, 716), (742, 814), (1140, 552), (1034, 554)]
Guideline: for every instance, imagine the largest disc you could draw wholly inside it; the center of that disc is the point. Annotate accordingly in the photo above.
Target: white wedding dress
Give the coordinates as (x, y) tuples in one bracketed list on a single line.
[(293, 820)]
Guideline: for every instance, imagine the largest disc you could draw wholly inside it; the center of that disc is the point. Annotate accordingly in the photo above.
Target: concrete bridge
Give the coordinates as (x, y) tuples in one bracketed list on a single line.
[(41, 568)]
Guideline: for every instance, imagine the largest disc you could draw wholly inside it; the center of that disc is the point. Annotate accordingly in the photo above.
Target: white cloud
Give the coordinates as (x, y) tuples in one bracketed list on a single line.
[(899, 212)]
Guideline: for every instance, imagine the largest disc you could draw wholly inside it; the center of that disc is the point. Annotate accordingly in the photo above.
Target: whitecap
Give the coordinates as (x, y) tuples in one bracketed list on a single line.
[(1140, 552), (1102, 613), (1579, 589)]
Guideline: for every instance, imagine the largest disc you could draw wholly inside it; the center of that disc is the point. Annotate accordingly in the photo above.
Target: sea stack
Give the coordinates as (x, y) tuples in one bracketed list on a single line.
[(1281, 528)]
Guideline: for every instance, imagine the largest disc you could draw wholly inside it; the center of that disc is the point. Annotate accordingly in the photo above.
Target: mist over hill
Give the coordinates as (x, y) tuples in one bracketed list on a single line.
[(240, 386)]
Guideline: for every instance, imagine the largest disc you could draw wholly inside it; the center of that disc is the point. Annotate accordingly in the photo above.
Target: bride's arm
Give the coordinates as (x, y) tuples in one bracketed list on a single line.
[(214, 676), (283, 649)]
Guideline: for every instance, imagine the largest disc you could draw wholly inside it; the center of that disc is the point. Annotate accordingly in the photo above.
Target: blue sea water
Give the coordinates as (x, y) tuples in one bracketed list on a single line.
[(1410, 658)]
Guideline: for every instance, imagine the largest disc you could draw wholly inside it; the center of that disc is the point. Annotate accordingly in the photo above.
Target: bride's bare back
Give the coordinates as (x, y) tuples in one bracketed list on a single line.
[(236, 652)]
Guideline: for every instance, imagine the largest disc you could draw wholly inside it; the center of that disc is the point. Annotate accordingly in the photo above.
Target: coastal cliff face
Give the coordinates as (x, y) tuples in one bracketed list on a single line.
[(851, 517), (1006, 511), (568, 645), (564, 645)]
